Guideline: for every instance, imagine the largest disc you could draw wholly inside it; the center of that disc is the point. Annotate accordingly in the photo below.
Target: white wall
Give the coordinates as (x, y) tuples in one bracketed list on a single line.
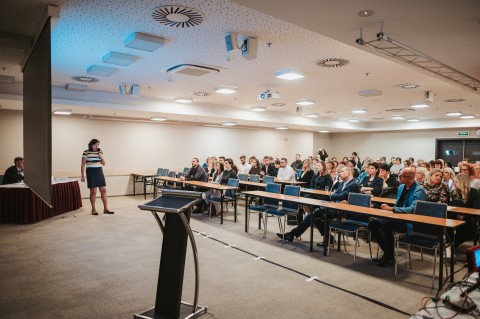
[(143, 147)]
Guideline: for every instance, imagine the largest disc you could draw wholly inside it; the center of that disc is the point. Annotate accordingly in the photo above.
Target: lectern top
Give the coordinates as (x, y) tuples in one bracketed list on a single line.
[(170, 204)]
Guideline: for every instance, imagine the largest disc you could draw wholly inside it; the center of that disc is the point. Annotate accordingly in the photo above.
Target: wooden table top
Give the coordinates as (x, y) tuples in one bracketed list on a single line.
[(412, 218), (167, 178), (143, 174), (209, 185), (248, 183)]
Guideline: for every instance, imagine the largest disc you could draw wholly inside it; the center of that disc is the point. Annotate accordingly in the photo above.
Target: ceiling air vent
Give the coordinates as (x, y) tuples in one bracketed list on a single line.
[(332, 62), (408, 86), (86, 79), (455, 100), (192, 70), (177, 16), (405, 109), (278, 104), (200, 94)]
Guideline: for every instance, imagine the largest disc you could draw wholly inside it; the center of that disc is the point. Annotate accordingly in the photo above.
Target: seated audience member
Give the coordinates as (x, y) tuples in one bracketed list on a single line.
[(372, 184), (468, 169), (276, 167), (221, 159), (419, 162), (337, 179), (356, 172), (390, 180), (421, 175), (322, 179), (307, 173), (348, 185), (364, 172), (477, 170), (345, 159), (255, 168), (397, 166), (314, 165), (322, 154), (438, 164), (408, 193), (244, 167), (435, 189), (358, 161), (216, 178), (14, 174), (449, 178), (407, 163), (285, 172), (196, 172), (298, 164), (330, 169), (228, 173), (210, 169), (335, 164), (464, 196), (204, 165)]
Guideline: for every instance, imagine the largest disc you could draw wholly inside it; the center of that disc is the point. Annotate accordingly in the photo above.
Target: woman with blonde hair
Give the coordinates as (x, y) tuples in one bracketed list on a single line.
[(448, 178), (436, 190), (464, 196), (421, 175)]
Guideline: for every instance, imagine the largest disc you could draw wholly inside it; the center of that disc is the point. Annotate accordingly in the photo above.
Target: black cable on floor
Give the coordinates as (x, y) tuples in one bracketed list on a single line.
[(379, 303)]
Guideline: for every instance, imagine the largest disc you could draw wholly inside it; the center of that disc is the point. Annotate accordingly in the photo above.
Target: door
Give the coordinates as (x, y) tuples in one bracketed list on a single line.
[(472, 150), (450, 151)]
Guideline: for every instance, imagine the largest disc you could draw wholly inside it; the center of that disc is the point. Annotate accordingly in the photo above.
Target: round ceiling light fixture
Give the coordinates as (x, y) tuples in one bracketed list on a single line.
[(332, 62), (258, 108), (177, 16), (85, 79)]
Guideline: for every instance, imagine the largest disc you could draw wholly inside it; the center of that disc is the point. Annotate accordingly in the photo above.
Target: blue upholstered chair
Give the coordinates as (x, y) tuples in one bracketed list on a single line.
[(288, 208), (255, 178), (268, 179), (243, 177), (267, 204), (229, 195)]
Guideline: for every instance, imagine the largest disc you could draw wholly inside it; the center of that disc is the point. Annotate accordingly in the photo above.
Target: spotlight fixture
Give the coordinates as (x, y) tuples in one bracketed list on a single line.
[(289, 74), (258, 108), (158, 118), (455, 113), (467, 116), (304, 102), (413, 120), (229, 123), (62, 111), (359, 111), (353, 121), (397, 118), (422, 105), (311, 115), (323, 131), (365, 13), (118, 58), (101, 70), (282, 128), (144, 42), (225, 89), (183, 100)]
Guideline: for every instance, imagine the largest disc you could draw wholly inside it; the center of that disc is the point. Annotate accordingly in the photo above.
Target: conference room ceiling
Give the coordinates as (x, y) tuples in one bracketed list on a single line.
[(290, 35)]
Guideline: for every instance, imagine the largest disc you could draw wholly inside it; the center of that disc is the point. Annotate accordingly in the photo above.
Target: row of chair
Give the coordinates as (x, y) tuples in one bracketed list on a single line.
[(256, 178)]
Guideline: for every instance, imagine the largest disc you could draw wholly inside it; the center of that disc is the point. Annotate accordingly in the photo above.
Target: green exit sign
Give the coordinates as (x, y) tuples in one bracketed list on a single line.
[(463, 133)]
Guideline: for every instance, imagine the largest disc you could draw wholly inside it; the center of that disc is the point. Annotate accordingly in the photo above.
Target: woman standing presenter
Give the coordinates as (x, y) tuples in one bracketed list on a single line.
[(92, 162)]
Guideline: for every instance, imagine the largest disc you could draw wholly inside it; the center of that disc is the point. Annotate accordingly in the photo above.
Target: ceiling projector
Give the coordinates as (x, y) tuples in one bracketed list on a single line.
[(268, 95)]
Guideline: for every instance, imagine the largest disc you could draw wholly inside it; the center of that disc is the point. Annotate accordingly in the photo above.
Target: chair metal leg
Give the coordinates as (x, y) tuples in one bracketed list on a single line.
[(265, 222), (370, 244), (421, 252), (409, 258), (396, 255), (434, 266), (355, 251)]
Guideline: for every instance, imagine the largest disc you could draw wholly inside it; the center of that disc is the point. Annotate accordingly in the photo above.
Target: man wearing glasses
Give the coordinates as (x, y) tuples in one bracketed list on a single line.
[(285, 172), (408, 194)]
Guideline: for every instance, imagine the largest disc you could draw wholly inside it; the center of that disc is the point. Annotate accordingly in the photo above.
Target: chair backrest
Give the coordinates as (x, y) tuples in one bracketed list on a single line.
[(291, 191), (165, 172), (180, 174), (1, 179), (243, 177), (299, 172), (255, 178), (358, 199), (431, 209), (159, 171), (232, 182), (268, 179), (186, 170), (172, 174), (272, 188)]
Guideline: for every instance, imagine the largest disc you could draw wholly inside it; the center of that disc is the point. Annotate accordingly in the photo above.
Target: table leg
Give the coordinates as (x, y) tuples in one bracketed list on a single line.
[(311, 231), (145, 187), (134, 179), (246, 213), (452, 258), (440, 272), (221, 207), (235, 207), (326, 232)]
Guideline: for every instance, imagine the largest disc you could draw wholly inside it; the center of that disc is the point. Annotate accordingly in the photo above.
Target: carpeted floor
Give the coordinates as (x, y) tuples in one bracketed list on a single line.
[(83, 266)]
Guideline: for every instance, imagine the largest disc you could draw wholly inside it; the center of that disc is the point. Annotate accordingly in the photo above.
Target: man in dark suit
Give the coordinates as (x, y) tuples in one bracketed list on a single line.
[(14, 174), (348, 185)]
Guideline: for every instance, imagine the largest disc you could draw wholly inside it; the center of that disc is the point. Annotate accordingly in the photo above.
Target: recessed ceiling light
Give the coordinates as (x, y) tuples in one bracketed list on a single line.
[(312, 115), (413, 120), (282, 128), (365, 13), (258, 108), (225, 89), (200, 93), (304, 102), (62, 111), (420, 105), (397, 117), (76, 87), (467, 116), (159, 119), (353, 121), (289, 74), (323, 131), (456, 113), (359, 111), (183, 100), (229, 123)]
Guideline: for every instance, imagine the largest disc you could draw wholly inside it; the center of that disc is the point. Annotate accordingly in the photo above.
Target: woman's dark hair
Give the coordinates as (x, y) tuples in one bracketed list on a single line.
[(375, 164), (91, 143), (221, 167), (323, 154)]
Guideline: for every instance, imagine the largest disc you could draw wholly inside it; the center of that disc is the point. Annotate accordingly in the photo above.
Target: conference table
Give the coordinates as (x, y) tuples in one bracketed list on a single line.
[(20, 205), (442, 223), (208, 185)]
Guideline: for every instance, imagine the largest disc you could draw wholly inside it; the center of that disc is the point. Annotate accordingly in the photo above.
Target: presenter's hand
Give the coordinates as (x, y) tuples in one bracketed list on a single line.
[(83, 179)]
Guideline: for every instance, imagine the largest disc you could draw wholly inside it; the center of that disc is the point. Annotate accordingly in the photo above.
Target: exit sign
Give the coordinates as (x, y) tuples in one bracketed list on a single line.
[(463, 133)]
